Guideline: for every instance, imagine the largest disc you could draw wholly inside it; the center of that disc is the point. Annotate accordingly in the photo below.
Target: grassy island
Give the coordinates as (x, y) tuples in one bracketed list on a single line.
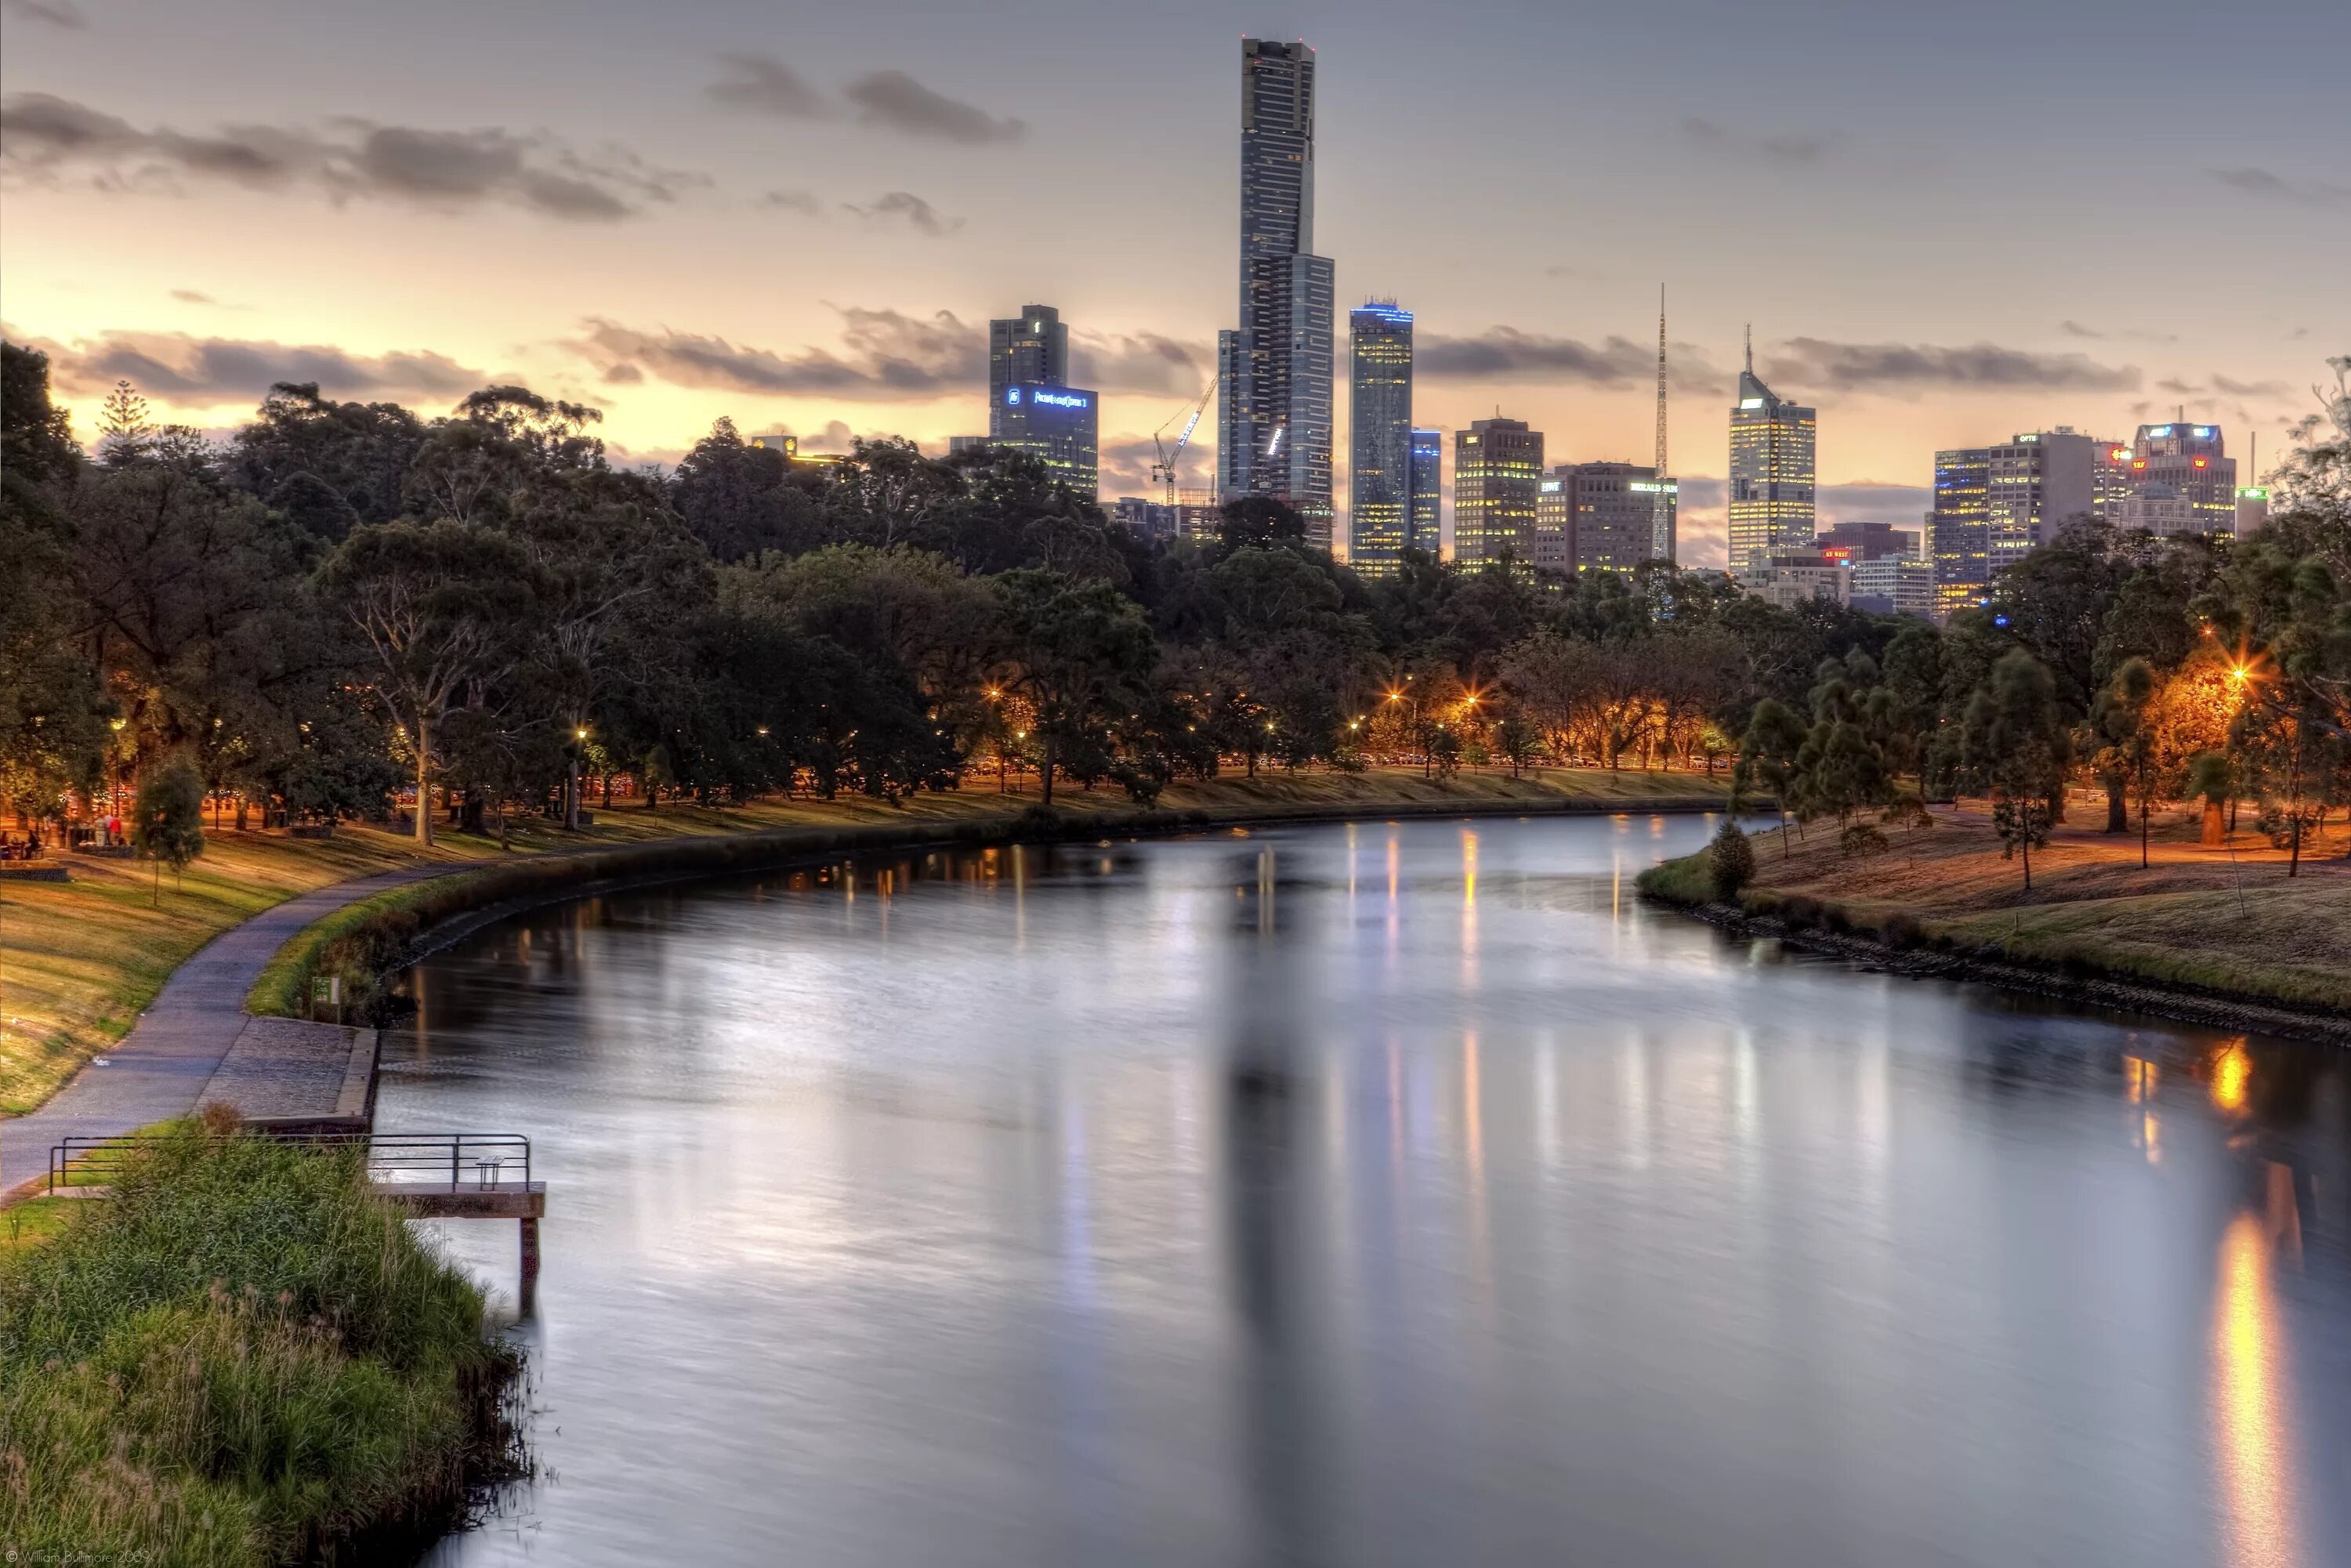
[(237, 1358)]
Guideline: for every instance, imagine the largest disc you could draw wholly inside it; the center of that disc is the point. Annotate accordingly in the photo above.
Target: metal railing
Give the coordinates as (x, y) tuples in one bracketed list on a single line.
[(435, 1162)]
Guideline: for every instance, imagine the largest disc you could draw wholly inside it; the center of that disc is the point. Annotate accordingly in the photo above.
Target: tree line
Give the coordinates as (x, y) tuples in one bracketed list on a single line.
[(345, 605)]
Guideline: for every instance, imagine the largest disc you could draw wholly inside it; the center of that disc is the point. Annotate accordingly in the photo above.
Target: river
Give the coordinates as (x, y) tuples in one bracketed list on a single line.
[(1374, 1194)]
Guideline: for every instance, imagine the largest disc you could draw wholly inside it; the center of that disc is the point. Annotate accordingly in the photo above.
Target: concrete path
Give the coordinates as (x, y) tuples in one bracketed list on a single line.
[(157, 1070)]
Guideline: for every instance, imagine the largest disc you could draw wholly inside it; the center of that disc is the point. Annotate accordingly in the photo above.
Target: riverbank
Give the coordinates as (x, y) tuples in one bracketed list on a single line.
[(2220, 936), (239, 1358), (79, 961), (365, 943)]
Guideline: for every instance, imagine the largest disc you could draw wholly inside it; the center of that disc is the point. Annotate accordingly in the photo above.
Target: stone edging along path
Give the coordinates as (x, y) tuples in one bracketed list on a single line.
[(157, 1070), (160, 1069)]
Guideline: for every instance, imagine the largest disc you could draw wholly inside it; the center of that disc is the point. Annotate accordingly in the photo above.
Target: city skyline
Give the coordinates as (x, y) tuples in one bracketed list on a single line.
[(810, 232)]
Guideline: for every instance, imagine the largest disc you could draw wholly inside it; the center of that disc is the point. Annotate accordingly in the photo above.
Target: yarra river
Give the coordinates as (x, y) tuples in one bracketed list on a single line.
[(1374, 1194)]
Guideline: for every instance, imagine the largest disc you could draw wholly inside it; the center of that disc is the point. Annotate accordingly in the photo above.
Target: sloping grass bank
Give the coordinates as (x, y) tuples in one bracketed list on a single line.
[(238, 1359), (366, 941), (2275, 944)]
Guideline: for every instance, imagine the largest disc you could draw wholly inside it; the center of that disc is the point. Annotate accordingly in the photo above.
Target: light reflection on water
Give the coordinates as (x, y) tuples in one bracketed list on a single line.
[(1376, 1194)]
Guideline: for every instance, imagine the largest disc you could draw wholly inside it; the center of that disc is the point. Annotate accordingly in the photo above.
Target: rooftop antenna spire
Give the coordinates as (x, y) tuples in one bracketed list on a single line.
[(1660, 524), (1750, 347)]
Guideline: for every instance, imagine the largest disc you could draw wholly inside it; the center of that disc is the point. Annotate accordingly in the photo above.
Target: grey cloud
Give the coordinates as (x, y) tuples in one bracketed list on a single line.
[(896, 102), (917, 213), (56, 12), (888, 355), (2177, 387), (1125, 462), (764, 84), (2282, 187), (2076, 329), (836, 437), (1140, 362), (803, 202), (1771, 147), (1902, 367), (183, 369), (1507, 354), (192, 296), (1870, 500), (2250, 389), (43, 137)]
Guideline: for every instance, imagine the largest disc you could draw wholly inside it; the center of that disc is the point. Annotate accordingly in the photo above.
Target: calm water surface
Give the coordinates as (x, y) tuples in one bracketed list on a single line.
[(1370, 1195)]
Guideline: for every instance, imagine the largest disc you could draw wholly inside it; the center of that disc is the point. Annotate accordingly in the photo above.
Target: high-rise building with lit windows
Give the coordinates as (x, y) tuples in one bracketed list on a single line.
[(1602, 517), (1996, 505), (1424, 512), (1032, 347), (2193, 461), (1497, 483), (1773, 474), (1958, 529), (1274, 401), (1379, 441)]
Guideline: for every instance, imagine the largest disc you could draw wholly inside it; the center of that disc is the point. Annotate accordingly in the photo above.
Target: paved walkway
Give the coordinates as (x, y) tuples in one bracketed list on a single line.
[(157, 1070)]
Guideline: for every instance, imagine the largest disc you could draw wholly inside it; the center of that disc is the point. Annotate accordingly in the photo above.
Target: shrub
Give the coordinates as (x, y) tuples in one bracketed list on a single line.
[(1730, 864), (1861, 838), (1797, 912), (1901, 932)]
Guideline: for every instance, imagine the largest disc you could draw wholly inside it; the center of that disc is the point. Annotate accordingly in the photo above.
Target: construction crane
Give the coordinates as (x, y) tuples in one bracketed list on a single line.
[(1164, 471)]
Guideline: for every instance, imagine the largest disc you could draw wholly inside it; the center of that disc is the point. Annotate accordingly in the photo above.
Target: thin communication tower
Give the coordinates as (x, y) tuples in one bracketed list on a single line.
[(1660, 543)]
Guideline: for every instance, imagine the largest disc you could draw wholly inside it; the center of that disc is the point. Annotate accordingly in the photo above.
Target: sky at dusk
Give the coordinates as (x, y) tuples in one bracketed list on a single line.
[(1945, 223)]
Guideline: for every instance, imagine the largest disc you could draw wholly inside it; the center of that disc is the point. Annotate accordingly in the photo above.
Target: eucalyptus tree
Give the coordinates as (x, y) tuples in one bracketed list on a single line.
[(437, 606), (2016, 744)]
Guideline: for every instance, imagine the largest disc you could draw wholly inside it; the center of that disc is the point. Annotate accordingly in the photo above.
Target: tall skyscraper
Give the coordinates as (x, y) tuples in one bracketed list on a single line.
[(1033, 347), (1379, 445), (1771, 474), (1603, 517), (1496, 482), (1032, 407), (1423, 512), (1273, 416)]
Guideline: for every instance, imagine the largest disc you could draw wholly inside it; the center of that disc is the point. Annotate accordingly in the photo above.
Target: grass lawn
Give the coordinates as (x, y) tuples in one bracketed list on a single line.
[(2227, 918), (28, 1224), (79, 959)]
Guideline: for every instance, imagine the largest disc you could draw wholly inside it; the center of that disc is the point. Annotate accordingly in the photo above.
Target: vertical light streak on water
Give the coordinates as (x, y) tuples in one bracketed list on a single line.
[(1632, 1099), (2252, 1420), (1473, 1147), (1469, 911), (1396, 905), (1547, 1100), (2141, 1080)]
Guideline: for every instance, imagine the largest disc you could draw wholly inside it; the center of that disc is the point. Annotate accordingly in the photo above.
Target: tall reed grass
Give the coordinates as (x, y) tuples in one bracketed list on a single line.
[(239, 1358)]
